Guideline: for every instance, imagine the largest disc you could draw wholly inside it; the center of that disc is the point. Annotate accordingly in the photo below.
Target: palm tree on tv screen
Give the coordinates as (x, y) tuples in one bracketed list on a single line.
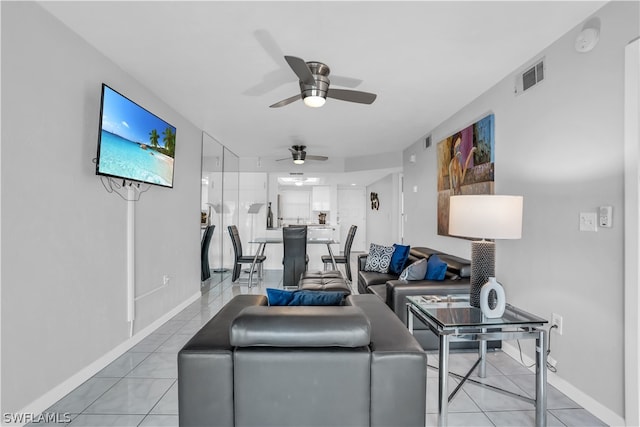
[(153, 138), (169, 140)]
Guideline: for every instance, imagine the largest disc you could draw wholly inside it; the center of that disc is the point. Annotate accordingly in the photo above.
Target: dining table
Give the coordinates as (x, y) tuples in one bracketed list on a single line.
[(262, 243)]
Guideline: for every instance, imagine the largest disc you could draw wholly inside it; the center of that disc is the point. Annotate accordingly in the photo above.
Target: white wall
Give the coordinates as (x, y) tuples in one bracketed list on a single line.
[(63, 242), (632, 234), (561, 146), (382, 224)]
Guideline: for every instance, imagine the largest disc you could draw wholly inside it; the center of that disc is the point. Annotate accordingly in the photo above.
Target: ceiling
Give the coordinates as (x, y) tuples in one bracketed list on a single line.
[(220, 64)]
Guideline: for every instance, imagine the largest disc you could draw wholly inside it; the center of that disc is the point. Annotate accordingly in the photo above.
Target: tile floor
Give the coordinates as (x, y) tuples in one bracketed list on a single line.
[(140, 387)]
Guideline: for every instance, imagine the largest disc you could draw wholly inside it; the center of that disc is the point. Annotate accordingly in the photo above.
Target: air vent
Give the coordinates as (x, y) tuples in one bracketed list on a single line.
[(296, 173), (427, 142), (530, 77)]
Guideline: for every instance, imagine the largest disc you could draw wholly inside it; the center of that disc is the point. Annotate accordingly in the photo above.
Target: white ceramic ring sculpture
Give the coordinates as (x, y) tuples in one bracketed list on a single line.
[(498, 310)]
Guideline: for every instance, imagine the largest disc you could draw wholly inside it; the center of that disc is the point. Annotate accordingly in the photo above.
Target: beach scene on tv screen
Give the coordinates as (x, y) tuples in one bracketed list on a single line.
[(134, 143)]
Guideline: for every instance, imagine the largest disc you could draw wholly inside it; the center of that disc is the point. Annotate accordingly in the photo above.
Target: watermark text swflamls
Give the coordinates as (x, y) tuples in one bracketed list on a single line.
[(28, 417)]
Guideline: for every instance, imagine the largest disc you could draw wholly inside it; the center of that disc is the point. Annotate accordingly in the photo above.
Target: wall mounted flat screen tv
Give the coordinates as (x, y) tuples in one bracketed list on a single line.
[(134, 144)]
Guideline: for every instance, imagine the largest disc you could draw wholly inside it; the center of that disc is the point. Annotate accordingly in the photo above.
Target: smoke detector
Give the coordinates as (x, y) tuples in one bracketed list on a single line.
[(587, 40), (589, 36)]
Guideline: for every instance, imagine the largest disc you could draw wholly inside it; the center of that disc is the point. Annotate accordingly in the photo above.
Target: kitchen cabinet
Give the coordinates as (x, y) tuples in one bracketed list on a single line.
[(321, 198)]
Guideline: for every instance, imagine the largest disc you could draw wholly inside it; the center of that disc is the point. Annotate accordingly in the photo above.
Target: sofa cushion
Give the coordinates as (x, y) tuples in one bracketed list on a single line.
[(300, 327), (379, 258), (416, 271), (399, 257), (436, 268), (279, 297), (368, 278), (379, 290), (324, 281), (418, 252)]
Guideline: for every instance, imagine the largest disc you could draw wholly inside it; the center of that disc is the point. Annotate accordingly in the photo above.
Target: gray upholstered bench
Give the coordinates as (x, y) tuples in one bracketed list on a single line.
[(324, 281)]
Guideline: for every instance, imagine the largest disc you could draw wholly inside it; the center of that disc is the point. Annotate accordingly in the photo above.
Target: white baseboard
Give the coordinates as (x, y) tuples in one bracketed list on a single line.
[(52, 396), (605, 414)]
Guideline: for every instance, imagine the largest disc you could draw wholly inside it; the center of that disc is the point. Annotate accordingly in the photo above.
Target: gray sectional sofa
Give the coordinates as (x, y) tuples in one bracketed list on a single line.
[(254, 365), (394, 292)]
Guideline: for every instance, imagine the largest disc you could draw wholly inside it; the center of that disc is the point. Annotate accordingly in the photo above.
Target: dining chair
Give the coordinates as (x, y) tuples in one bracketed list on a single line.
[(204, 253), (295, 260), (240, 258), (345, 258)]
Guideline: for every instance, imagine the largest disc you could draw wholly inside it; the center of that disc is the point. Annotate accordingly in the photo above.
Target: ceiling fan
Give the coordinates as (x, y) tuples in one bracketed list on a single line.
[(314, 86), (300, 155)]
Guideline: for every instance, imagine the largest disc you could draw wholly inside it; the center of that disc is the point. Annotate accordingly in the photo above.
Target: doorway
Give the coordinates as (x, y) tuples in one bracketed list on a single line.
[(351, 211)]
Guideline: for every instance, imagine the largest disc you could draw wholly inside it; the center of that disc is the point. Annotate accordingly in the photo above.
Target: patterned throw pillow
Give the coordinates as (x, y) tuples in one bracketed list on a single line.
[(379, 258)]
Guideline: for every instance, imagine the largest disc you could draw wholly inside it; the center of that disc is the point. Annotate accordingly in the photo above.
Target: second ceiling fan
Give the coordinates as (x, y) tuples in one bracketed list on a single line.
[(314, 86), (300, 155)]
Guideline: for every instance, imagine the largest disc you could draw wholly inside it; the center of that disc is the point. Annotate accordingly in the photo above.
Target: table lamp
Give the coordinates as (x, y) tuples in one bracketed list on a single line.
[(485, 216)]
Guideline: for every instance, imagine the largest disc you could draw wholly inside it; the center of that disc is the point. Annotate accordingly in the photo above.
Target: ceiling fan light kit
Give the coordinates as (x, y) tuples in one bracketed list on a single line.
[(299, 154), (315, 95), (313, 101)]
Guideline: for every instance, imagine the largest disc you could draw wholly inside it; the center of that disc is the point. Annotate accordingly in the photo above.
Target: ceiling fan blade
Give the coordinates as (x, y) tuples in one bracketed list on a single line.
[(286, 101), (301, 69), (286, 158), (310, 157), (352, 96)]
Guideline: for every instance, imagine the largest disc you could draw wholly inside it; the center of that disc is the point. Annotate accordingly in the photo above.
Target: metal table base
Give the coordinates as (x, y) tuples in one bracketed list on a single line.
[(470, 333)]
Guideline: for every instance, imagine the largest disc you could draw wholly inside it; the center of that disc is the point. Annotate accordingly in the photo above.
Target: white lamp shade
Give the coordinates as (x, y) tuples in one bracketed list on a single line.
[(486, 216)]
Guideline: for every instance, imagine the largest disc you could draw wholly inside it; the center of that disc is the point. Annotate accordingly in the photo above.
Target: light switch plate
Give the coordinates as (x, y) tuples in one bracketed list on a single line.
[(588, 221)]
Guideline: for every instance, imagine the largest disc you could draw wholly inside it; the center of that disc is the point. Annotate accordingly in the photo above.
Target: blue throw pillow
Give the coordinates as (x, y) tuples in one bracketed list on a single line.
[(317, 298), (298, 297), (279, 296), (399, 258), (436, 268)]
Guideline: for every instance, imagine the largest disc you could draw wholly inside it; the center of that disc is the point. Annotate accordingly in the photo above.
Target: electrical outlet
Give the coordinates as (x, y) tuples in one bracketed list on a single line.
[(556, 320), (551, 361), (588, 221), (165, 279)]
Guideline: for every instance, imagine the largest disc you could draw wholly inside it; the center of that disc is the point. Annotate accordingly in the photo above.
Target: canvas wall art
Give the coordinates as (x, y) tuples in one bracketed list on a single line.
[(465, 166)]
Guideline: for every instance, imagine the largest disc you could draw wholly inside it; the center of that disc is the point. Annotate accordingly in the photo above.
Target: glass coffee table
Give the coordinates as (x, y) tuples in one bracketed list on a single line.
[(451, 318)]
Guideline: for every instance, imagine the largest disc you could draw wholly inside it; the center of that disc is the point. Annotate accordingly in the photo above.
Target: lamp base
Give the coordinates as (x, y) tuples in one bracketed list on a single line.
[(483, 261)]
